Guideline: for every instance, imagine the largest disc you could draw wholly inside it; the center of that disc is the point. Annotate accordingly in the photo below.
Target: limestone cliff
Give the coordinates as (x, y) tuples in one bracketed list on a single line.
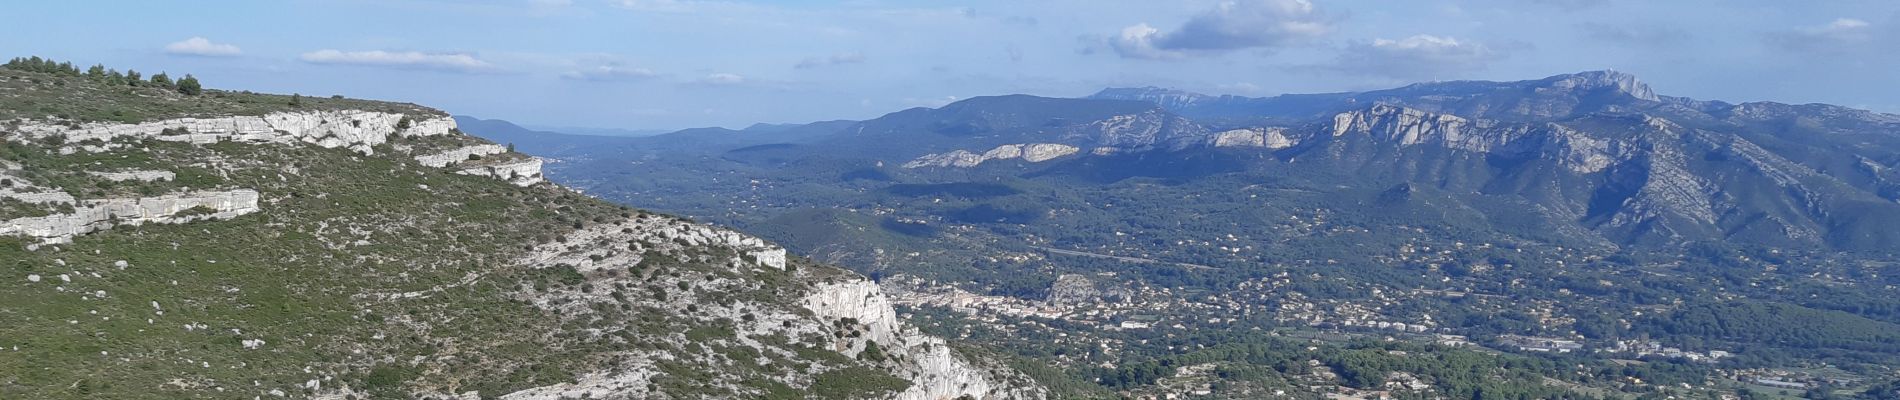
[(1030, 152), (841, 313), (1271, 138), (356, 130), (360, 131), (93, 215), (936, 370)]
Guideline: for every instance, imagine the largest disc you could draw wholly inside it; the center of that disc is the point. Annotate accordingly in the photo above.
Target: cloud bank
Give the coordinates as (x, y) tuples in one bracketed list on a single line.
[(405, 59), (199, 46), (610, 73), (1230, 25), (1416, 57), (834, 59)]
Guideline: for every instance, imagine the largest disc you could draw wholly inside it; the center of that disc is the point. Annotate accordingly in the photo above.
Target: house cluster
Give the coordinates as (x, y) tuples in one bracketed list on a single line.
[(1644, 348), (1540, 344)]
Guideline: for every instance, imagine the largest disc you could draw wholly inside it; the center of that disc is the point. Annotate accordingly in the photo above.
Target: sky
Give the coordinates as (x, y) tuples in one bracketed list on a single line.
[(668, 64)]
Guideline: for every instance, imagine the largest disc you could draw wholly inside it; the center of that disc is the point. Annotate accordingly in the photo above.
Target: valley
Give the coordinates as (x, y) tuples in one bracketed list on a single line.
[(1579, 227)]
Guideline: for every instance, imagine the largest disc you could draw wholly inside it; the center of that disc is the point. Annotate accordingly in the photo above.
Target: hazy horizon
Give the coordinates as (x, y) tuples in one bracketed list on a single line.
[(670, 64)]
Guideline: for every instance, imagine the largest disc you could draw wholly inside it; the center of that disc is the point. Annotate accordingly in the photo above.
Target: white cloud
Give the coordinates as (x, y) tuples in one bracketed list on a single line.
[(1230, 25), (610, 73), (1841, 35), (1238, 87), (834, 59), (199, 46), (1846, 24), (723, 79), (403, 59), (1419, 56), (656, 5)]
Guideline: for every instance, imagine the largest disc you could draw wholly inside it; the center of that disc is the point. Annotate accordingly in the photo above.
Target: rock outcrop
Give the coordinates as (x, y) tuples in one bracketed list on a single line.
[(1613, 81), (521, 173), (458, 155), (1271, 138), (94, 215), (1030, 152), (1141, 130), (360, 131), (1406, 126), (135, 175), (844, 314), (1579, 152), (935, 370), (356, 130)]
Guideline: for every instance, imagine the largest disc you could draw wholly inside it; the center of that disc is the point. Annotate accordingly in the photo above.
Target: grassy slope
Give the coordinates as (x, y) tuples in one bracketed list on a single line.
[(335, 226)]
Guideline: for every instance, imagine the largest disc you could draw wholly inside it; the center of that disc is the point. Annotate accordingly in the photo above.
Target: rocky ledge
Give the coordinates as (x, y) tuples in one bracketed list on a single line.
[(356, 130), (837, 312), (1031, 152), (94, 215)]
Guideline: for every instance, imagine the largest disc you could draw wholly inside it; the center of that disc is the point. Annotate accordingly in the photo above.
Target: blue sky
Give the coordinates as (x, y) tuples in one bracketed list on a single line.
[(646, 64)]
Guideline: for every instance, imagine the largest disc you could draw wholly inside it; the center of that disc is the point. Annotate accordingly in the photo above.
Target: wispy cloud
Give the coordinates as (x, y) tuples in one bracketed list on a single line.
[(722, 79), (834, 59), (610, 73), (1418, 56), (1230, 25), (199, 46), (1843, 34), (1638, 35), (459, 62)]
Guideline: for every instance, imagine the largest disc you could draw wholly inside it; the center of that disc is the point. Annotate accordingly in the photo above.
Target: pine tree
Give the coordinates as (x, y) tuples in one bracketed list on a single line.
[(189, 86), (98, 71), (132, 77), (162, 80)]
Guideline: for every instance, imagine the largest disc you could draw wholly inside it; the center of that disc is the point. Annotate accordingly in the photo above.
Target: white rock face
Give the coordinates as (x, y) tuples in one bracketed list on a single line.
[(1039, 152), (26, 192), (601, 251), (1407, 127), (94, 215), (445, 158), (135, 175), (356, 130), (936, 372), (1031, 152), (520, 173), (1271, 138), (18, 188), (1146, 129)]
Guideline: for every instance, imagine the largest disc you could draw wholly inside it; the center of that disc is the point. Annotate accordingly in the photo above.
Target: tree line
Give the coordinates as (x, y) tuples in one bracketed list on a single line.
[(187, 85)]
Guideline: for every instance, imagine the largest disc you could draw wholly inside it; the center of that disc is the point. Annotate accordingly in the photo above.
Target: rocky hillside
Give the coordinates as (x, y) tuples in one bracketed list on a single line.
[(1598, 151), (347, 249)]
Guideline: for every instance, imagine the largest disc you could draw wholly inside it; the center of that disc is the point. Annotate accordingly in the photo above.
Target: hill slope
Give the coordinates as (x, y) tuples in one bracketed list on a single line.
[(337, 249)]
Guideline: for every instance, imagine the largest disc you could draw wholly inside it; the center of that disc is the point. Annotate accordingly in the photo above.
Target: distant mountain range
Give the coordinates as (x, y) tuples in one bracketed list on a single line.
[(1583, 206), (1598, 151)]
